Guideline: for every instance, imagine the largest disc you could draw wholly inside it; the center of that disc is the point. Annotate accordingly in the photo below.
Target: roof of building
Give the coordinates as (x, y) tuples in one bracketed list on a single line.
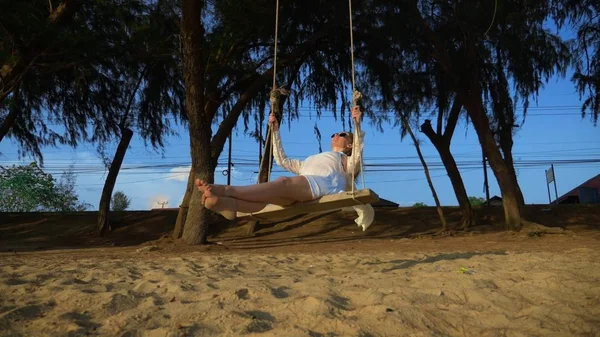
[(593, 182)]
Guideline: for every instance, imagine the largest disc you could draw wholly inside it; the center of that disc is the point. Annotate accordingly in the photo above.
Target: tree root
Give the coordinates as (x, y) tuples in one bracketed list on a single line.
[(469, 222), (444, 232), (531, 228)]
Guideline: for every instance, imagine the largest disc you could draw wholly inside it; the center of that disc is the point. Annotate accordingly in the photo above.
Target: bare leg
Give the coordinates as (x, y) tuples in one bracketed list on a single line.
[(228, 207), (283, 190)]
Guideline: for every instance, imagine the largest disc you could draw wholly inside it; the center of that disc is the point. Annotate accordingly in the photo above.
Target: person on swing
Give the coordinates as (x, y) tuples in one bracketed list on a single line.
[(318, 175)]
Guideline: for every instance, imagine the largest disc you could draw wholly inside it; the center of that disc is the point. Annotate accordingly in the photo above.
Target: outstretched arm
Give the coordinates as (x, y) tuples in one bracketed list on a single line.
[(354, 161), (292, 165)]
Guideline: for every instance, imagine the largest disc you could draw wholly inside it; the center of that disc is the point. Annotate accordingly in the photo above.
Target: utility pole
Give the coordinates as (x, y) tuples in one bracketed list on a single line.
[(162, 203), (548, 186), (229, 160), (554, 179), (260, 142), (551, 177), (486, 185)]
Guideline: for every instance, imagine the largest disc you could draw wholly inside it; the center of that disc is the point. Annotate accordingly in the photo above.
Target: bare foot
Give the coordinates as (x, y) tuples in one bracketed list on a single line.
[(205, 189), (215, 189), (223, 205)]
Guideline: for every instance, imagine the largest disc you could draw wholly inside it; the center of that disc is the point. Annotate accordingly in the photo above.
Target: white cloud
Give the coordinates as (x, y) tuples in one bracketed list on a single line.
[(239, 176), (180, 173)]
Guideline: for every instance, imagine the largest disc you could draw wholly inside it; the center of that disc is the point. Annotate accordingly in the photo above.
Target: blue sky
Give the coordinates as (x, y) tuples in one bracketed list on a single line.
[(553, 131)]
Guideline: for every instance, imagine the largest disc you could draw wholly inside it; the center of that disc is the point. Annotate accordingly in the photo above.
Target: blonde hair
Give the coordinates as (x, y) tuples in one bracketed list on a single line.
[(350, 138)]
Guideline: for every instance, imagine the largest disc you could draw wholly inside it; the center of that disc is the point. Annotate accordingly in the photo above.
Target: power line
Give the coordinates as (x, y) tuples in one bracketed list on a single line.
[(463, 170), (574, 152)]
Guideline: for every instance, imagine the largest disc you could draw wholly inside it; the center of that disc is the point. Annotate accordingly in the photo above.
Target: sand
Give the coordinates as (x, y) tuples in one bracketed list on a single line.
[(145, 292)]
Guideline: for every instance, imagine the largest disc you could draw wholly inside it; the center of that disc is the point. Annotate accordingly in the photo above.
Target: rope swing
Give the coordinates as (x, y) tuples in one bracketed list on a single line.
[(356, 97), (274, 95), (359, 199)]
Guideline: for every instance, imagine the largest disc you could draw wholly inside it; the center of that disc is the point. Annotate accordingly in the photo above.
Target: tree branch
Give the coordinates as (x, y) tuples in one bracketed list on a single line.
[(452, 119), (427, 129), (131, 98), (12, 73), (442, 54), (219, 139)]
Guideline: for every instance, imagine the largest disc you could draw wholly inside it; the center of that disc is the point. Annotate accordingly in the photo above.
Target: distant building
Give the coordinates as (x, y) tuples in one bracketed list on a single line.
[(586, 193), (494, 201)]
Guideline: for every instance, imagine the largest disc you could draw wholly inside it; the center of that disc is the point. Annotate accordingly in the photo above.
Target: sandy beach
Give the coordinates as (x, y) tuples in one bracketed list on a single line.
[(148, 293), (306, 276)]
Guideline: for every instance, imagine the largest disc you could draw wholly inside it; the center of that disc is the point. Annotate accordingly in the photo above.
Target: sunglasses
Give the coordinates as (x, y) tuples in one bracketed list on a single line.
[(341, 134)]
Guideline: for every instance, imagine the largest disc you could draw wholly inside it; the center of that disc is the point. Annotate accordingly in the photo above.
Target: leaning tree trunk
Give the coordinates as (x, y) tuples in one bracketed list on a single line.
[(266, 165), (184, 207), (103, 211), (506, 145), (427, 175), (508, 186), (442, 145), (468, 215), (192, 34)]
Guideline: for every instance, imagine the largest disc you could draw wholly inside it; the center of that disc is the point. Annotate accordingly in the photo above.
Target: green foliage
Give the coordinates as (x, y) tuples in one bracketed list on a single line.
[(583, 16), (109, 65), (29, 189), (65, 198), (120, 202), (476, 201), (25, 189), (420, 204)]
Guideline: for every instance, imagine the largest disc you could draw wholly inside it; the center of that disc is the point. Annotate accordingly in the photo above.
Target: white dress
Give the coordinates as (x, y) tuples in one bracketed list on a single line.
[(325, 173)]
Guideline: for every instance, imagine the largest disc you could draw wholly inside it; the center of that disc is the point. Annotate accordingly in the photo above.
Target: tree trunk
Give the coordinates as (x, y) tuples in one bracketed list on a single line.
[(195, 229), (192, 34), (427, 175), (184, 207), (266, 162), (442, 145), (104, 209), (472, 100), (506, 145), (468, 215), (508, 186)]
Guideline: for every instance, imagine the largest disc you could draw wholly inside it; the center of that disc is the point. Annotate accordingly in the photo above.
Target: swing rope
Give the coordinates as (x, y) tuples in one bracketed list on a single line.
[(274, 98), (276, 93), (356, 96)]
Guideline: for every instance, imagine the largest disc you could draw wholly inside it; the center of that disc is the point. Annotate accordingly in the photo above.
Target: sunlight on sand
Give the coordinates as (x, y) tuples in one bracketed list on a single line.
[(152, 293)]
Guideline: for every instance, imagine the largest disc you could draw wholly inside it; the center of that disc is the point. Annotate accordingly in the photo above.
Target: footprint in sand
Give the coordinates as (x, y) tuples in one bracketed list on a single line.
[(29, 312), (15, 282), (339, 302), (261, 321), (81, 320), (119, 303), (280, 292)]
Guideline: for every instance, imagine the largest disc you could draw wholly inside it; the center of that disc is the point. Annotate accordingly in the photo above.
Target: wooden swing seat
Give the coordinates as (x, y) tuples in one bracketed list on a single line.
[(325, 203)]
